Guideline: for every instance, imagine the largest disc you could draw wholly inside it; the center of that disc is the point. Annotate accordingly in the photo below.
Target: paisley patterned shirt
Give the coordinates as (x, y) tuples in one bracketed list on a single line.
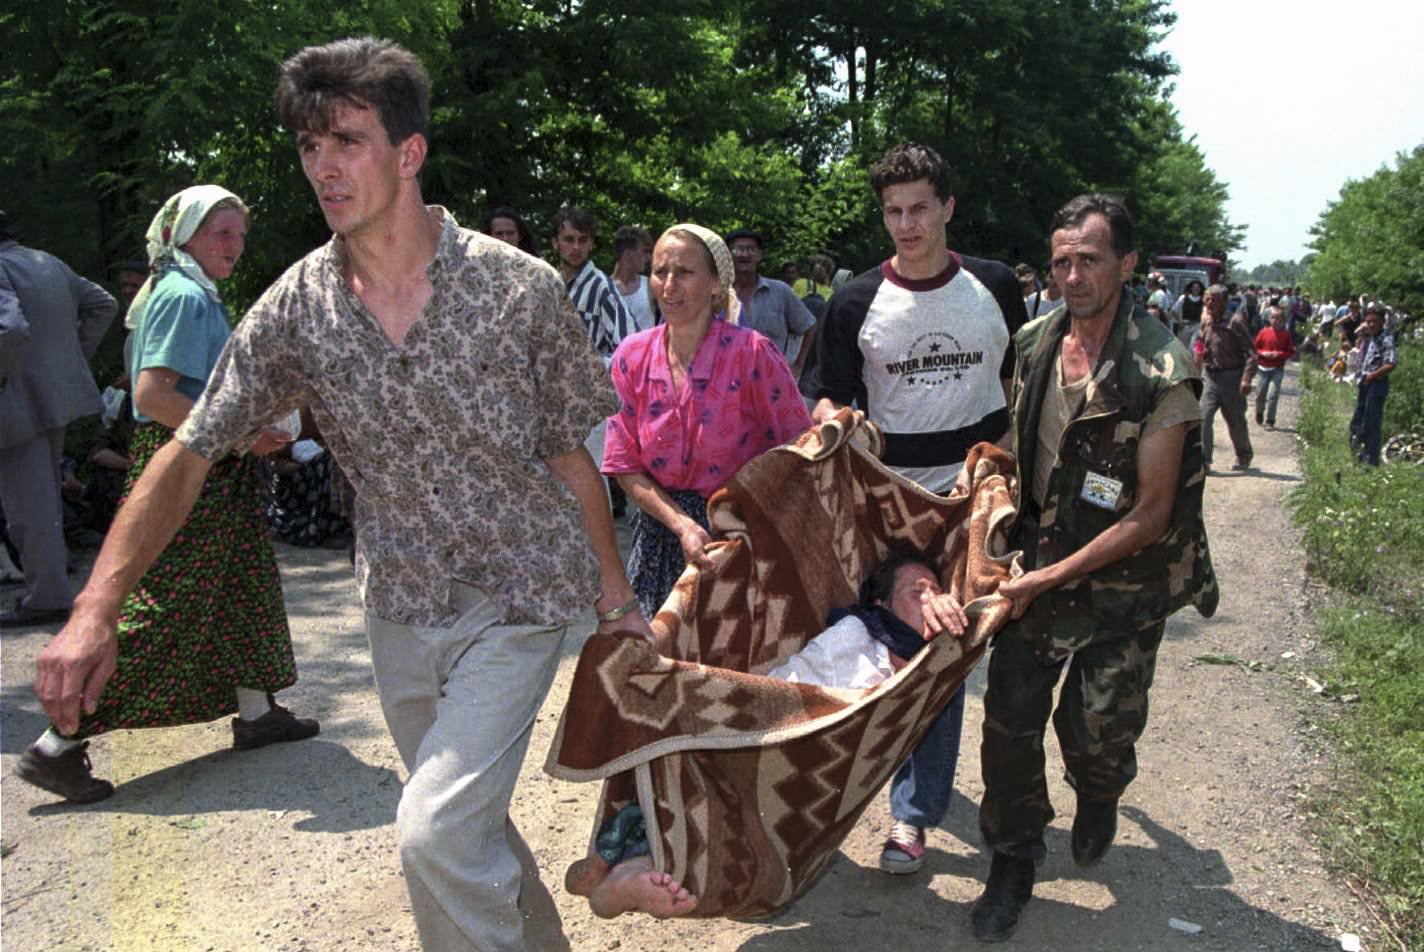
[(444, 437)]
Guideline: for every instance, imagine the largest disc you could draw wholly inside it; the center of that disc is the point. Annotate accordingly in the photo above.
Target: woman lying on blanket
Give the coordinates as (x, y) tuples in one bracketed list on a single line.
[(901, 607)]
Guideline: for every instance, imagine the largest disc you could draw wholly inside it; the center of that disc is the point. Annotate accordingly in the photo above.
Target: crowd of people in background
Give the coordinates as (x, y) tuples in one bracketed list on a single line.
[(1276, 324), (308, 501), (642, 390)]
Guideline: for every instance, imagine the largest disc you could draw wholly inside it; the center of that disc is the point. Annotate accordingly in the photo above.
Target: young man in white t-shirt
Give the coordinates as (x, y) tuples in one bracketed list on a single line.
[(633, 247), (922, 344)]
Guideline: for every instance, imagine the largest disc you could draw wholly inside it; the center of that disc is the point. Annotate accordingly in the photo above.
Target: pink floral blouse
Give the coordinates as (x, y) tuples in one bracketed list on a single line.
[(739, 399)]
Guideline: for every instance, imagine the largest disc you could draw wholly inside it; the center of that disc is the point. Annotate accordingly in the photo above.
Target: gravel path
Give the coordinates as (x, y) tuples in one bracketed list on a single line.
[(293, 848)]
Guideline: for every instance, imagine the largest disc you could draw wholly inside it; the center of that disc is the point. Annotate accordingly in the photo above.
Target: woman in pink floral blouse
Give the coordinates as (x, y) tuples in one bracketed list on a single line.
[(700, 396)]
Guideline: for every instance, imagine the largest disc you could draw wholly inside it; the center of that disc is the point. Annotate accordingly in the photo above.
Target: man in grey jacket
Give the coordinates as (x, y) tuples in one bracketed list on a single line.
[(51, 320)]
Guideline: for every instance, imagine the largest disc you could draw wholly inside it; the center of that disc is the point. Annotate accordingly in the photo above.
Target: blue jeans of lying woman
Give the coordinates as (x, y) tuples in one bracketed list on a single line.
[(921, 789)]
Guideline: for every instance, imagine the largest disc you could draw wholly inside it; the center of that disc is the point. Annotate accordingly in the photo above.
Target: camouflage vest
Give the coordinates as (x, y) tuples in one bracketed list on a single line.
[(1141, 361)]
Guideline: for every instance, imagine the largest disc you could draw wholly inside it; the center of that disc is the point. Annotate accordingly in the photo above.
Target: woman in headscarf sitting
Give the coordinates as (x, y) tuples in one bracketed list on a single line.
[(700, 396), (205, 632)]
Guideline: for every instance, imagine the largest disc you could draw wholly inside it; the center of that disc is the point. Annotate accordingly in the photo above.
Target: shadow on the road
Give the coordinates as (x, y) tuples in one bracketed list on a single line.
[(1143, 888), (319, 781), (1187, 624), (1255, 474), (21, 720)]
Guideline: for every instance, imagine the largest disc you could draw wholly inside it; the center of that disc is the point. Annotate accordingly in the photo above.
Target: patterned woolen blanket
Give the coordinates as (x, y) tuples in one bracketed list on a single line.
[(750, 784)]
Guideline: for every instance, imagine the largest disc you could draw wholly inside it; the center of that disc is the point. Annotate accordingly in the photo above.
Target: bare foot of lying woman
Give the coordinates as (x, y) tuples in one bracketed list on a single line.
[(631, 886)]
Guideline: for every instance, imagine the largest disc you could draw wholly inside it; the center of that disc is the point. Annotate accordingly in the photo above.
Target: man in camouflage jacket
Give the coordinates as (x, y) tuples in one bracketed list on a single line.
[(1108, 440)]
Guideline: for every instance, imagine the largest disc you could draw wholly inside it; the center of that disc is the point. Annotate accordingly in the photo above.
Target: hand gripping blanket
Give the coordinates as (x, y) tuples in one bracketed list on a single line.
[(749, 784)]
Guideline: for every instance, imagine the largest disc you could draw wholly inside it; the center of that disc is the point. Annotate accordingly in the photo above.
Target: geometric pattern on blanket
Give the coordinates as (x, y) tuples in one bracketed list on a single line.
[(749, 784)]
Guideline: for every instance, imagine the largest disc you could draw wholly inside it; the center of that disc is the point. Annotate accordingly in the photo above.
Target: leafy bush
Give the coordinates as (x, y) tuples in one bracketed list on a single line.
[(1404, 410), (1364, 534), (1363, 526)]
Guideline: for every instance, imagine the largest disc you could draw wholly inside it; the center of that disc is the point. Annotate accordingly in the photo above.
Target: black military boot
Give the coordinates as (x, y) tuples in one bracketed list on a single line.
[(1094, 827), (1009, 888)]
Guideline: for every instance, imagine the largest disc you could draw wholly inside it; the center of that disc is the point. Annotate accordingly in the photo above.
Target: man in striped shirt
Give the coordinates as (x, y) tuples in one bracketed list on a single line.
[(595, 298), (599, 306)]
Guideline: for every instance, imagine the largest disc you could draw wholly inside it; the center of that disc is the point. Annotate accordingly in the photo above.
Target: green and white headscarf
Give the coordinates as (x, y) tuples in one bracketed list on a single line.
[(171, 228)]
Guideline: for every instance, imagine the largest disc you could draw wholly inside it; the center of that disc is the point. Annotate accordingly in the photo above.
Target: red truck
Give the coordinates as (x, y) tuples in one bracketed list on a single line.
[(1181, 270)]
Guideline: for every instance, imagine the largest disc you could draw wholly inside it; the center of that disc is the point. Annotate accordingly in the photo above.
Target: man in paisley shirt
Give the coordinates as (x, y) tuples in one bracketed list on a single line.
[(455, 386)]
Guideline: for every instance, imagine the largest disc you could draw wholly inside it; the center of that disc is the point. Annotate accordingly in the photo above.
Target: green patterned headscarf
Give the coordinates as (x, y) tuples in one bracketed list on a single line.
[(170, 229)]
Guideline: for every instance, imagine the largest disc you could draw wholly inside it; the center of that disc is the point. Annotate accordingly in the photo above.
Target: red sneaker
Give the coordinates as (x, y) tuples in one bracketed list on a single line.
[(904, 850)]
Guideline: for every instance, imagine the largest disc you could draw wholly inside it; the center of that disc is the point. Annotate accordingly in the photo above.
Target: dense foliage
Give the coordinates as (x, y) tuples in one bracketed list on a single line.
[(1371, 239), (758, 112)]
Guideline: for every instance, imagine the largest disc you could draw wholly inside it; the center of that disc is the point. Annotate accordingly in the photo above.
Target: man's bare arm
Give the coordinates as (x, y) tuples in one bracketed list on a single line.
[(575, 470), (1159, 461), (74, 667)]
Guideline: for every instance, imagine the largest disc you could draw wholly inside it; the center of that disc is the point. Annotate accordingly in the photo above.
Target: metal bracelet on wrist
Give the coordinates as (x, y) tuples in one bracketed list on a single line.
[(617, 613)]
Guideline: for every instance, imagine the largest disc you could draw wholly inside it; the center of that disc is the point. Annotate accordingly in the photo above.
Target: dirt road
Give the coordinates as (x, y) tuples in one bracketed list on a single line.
[(292, 847)]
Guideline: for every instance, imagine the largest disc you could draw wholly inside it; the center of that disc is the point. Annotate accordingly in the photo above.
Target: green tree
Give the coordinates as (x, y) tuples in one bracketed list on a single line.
[(1371, 239), (753, 112), (109, 106), (1026, 124), (1175, 197)]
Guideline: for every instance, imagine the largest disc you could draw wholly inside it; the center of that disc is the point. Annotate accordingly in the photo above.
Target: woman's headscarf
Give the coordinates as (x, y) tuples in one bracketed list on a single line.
[(172, 227), (722, 258)]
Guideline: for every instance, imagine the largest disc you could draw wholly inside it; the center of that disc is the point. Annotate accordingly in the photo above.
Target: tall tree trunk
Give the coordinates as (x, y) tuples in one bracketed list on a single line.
[(852, 87)]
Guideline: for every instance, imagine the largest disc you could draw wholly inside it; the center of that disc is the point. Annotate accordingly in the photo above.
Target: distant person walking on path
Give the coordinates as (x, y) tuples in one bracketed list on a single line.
[(595, 297), (1274, 346), (769, 306), (1377, 361), (1188, 312), (51, 321), (633, 248), (420, 348), (1228, 360), (505, 224), (204, 634), (1108, 441)]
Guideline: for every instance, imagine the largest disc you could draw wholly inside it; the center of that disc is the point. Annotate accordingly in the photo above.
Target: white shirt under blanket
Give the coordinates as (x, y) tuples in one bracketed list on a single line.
[(843, 656)]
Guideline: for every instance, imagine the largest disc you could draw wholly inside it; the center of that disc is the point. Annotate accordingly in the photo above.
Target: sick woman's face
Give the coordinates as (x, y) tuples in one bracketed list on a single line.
[(912, 581)]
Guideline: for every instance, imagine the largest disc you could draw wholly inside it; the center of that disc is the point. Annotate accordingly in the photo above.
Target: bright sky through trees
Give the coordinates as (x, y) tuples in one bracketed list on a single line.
[(1289, 100)]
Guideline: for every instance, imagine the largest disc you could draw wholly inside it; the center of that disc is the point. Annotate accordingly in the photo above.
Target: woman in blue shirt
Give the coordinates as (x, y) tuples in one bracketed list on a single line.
[(205, 632)]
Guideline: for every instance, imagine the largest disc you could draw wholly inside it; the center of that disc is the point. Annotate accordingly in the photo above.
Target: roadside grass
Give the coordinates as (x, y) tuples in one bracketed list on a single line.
[(1363, 532)]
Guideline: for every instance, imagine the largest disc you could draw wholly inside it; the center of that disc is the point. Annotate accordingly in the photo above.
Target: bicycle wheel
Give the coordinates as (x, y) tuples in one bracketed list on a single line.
[(1403, 448)]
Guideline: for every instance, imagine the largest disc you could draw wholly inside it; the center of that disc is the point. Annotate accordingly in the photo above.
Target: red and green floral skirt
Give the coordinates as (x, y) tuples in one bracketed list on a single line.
[(208, 615)]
